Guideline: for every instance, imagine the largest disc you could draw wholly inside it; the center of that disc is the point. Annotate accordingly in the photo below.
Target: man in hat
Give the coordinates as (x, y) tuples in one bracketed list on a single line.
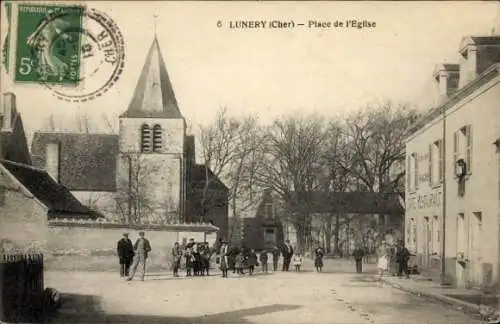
[(141, 247), (125, 251)]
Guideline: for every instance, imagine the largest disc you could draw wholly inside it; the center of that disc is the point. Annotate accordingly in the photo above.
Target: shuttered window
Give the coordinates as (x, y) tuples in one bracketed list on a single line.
[(441, 161), (145, 138), (157, 138)]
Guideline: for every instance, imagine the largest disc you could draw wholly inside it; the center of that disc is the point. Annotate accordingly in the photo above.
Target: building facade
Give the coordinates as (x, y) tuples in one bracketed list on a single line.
[(452, 171)]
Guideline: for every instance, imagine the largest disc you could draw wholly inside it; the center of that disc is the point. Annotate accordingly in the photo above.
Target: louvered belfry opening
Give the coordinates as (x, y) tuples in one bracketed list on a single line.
[(157, 137), (145, 138)]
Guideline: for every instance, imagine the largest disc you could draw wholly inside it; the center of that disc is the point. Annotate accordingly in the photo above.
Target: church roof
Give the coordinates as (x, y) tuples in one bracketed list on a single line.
[(57, 198), (87, 161), (199, 175), (153, 96)]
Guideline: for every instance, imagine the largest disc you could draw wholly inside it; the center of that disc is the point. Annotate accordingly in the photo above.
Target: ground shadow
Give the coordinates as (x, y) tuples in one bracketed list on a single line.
[(87, 309)]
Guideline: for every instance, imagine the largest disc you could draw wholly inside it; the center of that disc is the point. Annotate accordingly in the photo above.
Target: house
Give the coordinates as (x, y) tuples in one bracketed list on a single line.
[(453, 180), (264, 230), (29, 197), (147, 172)]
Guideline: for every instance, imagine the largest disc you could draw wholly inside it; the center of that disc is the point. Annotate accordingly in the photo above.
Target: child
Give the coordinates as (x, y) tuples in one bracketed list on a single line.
[(238, 263), (252, 261), (263, 260), (297, 261), (189, 262)]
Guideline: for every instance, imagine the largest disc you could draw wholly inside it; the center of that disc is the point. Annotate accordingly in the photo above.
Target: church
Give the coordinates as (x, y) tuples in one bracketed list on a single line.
[(147, 172)]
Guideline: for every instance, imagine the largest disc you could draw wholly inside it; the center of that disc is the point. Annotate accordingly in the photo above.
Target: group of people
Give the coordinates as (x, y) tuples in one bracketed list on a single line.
[(132, 255), (393, 259), (196, 257)]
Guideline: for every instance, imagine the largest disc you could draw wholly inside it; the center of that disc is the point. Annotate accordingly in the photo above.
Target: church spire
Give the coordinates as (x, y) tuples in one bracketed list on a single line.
[(153, 96)]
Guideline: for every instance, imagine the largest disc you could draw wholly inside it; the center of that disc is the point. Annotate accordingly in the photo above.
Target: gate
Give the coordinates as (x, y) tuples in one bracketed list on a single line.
[(21, 286)]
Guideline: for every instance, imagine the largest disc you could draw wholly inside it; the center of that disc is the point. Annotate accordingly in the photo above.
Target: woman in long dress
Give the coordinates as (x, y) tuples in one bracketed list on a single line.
[(224, 251), (383, 261)]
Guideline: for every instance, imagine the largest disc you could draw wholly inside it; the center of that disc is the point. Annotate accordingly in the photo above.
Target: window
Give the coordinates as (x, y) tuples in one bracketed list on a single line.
[(462, 146), (436, 163), (269, 211), (436, 248), (157, 135), (430, 166), (1, 122), (145, 138), (412, 235), (461, 237)]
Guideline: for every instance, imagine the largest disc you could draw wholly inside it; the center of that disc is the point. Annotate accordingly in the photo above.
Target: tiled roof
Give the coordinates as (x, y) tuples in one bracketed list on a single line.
[(56, 197), (355, 202), (153, 95), (198, 178), (87, 161)]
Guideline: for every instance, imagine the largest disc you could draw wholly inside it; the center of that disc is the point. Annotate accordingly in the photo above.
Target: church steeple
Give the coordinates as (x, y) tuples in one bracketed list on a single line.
[(153, 96)]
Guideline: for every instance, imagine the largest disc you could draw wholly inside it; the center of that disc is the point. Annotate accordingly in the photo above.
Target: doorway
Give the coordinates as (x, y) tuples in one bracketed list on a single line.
[(475, 267)]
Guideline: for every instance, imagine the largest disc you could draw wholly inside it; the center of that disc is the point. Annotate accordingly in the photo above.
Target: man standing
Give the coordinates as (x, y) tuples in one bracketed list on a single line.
[(276, 256), (287, 255), (125, 252), (142, 247), (402, 258), (358, 255)]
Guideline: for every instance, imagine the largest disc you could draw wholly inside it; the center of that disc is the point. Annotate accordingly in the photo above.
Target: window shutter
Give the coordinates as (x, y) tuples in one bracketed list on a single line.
[(441, 160), (430, 175), (408, 172), (145, 138), (455, 148), (157, 138), (469, 149), (415, 158)]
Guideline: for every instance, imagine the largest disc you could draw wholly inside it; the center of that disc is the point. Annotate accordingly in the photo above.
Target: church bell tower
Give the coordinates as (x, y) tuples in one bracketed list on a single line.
[(151, 162)]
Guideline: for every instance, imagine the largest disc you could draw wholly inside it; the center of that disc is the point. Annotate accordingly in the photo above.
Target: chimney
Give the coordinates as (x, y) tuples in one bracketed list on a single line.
[(477, 54), (447, 79), (52, 154), (7, 112)]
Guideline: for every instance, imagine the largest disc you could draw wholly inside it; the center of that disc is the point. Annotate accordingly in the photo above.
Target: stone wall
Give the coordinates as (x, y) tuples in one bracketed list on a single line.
[(92, 246), (22, 217)]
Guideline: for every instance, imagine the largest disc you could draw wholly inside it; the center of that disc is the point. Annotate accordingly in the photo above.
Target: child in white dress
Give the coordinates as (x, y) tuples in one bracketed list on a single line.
[(297, 261)]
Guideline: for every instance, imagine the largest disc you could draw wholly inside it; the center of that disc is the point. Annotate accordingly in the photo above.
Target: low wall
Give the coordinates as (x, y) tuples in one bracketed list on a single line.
[(92, 246)]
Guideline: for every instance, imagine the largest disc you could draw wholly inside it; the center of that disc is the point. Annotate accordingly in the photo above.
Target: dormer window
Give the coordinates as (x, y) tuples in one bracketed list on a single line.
[(145, 138), (269, 211), (157, 138)]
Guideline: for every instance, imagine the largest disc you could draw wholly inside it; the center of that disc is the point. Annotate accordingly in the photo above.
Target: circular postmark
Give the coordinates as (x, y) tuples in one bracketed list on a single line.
[(89, 55)]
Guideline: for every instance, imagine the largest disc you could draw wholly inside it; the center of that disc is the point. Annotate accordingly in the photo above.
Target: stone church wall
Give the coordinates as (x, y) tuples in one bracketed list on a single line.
[(92, 245)]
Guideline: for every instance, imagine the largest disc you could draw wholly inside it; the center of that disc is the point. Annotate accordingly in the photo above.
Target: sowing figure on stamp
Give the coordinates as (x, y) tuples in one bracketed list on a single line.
[(42, 40)]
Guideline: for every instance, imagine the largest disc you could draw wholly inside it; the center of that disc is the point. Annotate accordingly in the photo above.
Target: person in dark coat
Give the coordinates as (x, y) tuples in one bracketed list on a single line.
[(252, 261), (287, 255), (318, 259), (402, 258), (125, 251), (358, 255), (206, 255), (276, 257), (263, 260)]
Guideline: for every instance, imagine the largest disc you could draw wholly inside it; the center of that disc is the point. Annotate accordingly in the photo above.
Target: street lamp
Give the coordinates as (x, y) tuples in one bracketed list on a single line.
[(443, 229)]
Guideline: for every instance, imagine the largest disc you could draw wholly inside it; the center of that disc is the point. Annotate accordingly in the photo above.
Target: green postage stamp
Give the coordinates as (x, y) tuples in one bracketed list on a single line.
[(48, 43)]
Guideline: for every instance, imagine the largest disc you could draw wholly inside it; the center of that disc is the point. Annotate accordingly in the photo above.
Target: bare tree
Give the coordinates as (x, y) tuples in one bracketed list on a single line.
[(376, 142), (135, 200), (291, 152)]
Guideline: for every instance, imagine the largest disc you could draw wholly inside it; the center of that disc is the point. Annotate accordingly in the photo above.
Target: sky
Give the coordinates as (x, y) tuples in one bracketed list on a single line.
[(272, 72)]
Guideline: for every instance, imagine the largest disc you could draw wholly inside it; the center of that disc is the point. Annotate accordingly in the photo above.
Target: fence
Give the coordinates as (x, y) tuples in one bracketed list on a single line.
[(21, 283)]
